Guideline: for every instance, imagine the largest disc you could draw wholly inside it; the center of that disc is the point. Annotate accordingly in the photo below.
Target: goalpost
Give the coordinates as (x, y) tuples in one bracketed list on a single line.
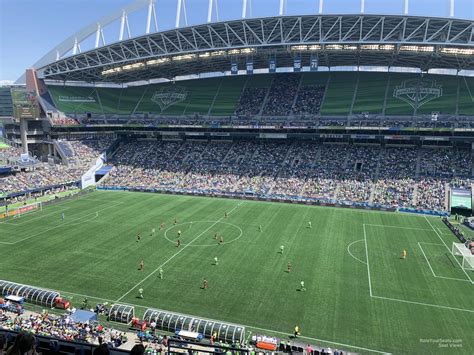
[(459, 249), (21, 210)]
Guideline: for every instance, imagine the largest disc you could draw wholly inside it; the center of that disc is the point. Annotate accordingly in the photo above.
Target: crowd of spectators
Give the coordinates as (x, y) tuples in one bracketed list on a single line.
[(63, 327), (8, 154), (251, 101), (389, 176), (81, 155), (282, 95), (309, 100)]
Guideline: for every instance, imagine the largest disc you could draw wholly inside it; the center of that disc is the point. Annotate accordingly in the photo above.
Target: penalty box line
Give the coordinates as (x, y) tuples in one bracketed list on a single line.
[(432, 271), (41, 216), (71, 222), (176, 254), (401, 300), (60, 206), (449, 250)]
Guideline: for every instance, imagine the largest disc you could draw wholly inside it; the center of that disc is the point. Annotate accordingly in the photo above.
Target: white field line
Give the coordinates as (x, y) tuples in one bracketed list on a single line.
[(442, 240), (60, 206), (41, 216), (367, 257), (405, 301), (441, 245), (426, 259), (425, 304), (349, 251), (397, 227), (176, 254), (440, 277), (71, 222), (452, 278), (299, 227)]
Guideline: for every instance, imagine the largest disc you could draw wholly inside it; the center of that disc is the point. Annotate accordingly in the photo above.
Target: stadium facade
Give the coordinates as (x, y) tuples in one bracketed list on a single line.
[(260, 108), (281, 78)]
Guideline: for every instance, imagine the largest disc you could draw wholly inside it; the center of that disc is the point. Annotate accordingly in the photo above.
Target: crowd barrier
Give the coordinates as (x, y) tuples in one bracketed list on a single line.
[(425, 212)]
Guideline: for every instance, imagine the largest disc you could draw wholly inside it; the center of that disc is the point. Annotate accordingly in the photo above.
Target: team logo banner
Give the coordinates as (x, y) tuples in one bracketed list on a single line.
[(416, 93), (297, 65), (272, 66), (169, 96), (249, 67), (234, 68)]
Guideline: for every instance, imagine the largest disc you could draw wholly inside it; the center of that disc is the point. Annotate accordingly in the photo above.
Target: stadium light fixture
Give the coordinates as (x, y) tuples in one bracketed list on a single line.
[(457, 51), (376, 47), (218, 53), (302, 48), (247, 50), (418, 49), (158, 61), (178, 58), (349, 47), (334, 47)]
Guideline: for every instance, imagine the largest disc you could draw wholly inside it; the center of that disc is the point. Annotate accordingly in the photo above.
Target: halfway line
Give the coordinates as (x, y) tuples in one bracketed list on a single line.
[(175, 255)]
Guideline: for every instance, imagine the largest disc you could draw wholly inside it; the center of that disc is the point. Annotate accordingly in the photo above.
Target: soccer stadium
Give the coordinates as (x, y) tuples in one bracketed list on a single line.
[(280, 179)]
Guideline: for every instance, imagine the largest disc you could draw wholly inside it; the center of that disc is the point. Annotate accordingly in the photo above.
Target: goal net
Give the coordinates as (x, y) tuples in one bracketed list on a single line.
[(21, 210), (459, 249)]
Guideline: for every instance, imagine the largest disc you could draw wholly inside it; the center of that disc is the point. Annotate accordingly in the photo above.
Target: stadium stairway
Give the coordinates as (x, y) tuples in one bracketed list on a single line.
[(415, 195), (418, 164), (446, 196), (59, 149), (297, 93), (264, 103), (46, 103), (356, 89)]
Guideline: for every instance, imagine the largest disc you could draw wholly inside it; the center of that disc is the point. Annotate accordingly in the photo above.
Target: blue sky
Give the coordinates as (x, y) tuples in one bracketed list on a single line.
[(30, 28)]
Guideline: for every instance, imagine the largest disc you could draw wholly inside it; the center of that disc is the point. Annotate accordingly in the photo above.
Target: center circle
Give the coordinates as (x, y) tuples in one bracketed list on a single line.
[(203, 232)]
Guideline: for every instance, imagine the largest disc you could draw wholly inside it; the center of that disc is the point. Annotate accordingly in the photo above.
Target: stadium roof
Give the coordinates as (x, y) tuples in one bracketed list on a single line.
[(334, 40)]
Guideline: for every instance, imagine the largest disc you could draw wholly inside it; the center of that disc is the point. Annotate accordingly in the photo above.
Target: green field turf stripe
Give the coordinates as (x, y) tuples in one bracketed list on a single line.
[(398, 227), (426, 259), (176, 254), (425, 304)]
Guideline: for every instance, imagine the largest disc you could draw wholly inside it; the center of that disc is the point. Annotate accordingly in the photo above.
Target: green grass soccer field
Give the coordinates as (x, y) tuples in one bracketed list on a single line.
[(360, 295)]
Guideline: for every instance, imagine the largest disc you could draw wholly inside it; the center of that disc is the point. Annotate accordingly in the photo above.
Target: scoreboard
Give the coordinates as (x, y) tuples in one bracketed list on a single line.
[(25, 103)]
